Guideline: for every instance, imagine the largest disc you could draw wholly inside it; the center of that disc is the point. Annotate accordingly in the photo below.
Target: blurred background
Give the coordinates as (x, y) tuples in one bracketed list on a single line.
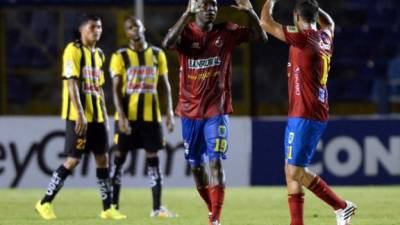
[(364, 76)]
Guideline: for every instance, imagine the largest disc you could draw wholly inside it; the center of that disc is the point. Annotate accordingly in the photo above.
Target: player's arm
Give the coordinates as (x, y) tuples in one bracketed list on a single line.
[(170, 113), (258, 33), (174, 33), (325, 21), (268, 23), (163, 71), (81, 122), (123, 122)]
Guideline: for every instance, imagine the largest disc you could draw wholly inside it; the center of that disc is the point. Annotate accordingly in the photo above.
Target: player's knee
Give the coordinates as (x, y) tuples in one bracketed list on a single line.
[(71, 163), (197, 170), (294, 172), (101, 160), (216, 164)]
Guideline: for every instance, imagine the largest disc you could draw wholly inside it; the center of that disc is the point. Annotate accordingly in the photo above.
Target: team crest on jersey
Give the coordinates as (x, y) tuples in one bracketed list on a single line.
[(195, 45), (219, 42), (69, 68), (322, 95), (292, 29)]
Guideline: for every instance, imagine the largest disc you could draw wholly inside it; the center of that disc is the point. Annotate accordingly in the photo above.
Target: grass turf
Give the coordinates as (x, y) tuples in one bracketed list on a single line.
[(243, 206)]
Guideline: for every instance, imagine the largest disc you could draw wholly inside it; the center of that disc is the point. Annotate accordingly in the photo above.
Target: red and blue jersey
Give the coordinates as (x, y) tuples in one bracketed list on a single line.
[(309, 62), (205, 69)]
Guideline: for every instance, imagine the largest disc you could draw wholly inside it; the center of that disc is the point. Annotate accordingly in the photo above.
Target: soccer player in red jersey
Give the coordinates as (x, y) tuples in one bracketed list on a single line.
[(310, 51), (205, 53)]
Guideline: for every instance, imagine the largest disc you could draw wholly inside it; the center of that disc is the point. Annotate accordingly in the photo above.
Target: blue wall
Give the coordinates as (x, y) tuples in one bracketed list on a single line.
[(351, 152)]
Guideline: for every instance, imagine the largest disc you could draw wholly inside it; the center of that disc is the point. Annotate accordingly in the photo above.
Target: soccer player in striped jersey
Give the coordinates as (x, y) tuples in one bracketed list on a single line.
[(135, 70), (205, 55), (311, 44), (84, 110)]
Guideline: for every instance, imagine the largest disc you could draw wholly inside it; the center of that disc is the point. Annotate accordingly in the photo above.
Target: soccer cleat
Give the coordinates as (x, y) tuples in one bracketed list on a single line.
[(45, 210), (112, 214), (343, 216), (215, 222), (163, 212)]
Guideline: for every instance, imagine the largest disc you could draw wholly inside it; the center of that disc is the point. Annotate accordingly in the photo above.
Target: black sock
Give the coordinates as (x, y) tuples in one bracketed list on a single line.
[(116, 180), (104, 183), (56, 183), (154, 173)]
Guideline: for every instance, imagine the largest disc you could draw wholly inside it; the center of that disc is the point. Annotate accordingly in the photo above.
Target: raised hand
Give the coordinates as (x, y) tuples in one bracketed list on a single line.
[(244, 5), (194, 6)]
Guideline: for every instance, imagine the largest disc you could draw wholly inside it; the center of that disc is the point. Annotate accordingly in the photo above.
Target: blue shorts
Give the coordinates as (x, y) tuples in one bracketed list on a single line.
[(206, 138), (301, 140)]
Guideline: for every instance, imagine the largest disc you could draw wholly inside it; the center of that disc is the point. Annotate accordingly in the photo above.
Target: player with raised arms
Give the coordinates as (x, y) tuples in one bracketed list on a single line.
[(205, 55), (311, 43)]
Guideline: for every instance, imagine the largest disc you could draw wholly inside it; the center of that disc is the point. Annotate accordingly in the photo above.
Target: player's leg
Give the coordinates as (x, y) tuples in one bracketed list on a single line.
[(152, 141), (294, 187), (97, 141), (302, 140), (103, 179), (116, 174), (156, 182), (192, 132), (295, 198), (202, 183), (74, 147), (216, 132), (123, 143)]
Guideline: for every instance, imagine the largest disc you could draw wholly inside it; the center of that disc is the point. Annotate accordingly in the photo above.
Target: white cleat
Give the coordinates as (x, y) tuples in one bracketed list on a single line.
[(216, 222), (163, 212), (343, 216)]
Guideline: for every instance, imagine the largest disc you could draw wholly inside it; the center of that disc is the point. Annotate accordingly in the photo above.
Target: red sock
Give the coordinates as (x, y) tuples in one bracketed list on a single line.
[(217, 200), (296, 203), (205, 195), (324, 192)]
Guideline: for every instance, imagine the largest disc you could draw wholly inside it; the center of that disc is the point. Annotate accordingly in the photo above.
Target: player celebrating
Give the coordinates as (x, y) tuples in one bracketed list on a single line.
[(84, 110), (309, 57), (135, 70), (205, 52)]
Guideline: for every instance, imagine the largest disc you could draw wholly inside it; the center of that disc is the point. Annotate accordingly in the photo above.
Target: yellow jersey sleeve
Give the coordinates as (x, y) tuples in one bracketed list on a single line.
[(71, 61), (117, 66), (162, 63)]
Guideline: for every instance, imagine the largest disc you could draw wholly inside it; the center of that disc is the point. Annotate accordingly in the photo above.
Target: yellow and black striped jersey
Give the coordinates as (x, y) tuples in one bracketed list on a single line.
[(140, 71), (85, 65)]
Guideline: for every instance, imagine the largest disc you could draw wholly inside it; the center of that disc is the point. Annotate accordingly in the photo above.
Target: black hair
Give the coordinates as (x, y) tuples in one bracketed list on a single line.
[(83, 20), (88, 17), (308, 10), (131, 18)]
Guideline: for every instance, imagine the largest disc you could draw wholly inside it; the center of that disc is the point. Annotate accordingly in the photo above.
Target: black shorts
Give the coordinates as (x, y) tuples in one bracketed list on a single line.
[(146, 135), (94, 141)]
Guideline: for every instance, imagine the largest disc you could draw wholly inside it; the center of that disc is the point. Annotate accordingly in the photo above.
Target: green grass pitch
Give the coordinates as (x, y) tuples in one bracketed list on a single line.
[(378, 205)]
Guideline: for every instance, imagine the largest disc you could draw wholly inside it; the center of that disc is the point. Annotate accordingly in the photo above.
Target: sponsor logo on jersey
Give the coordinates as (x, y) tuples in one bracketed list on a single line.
[(141, 79), (204, 63), (297, 81), (91, 80)]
